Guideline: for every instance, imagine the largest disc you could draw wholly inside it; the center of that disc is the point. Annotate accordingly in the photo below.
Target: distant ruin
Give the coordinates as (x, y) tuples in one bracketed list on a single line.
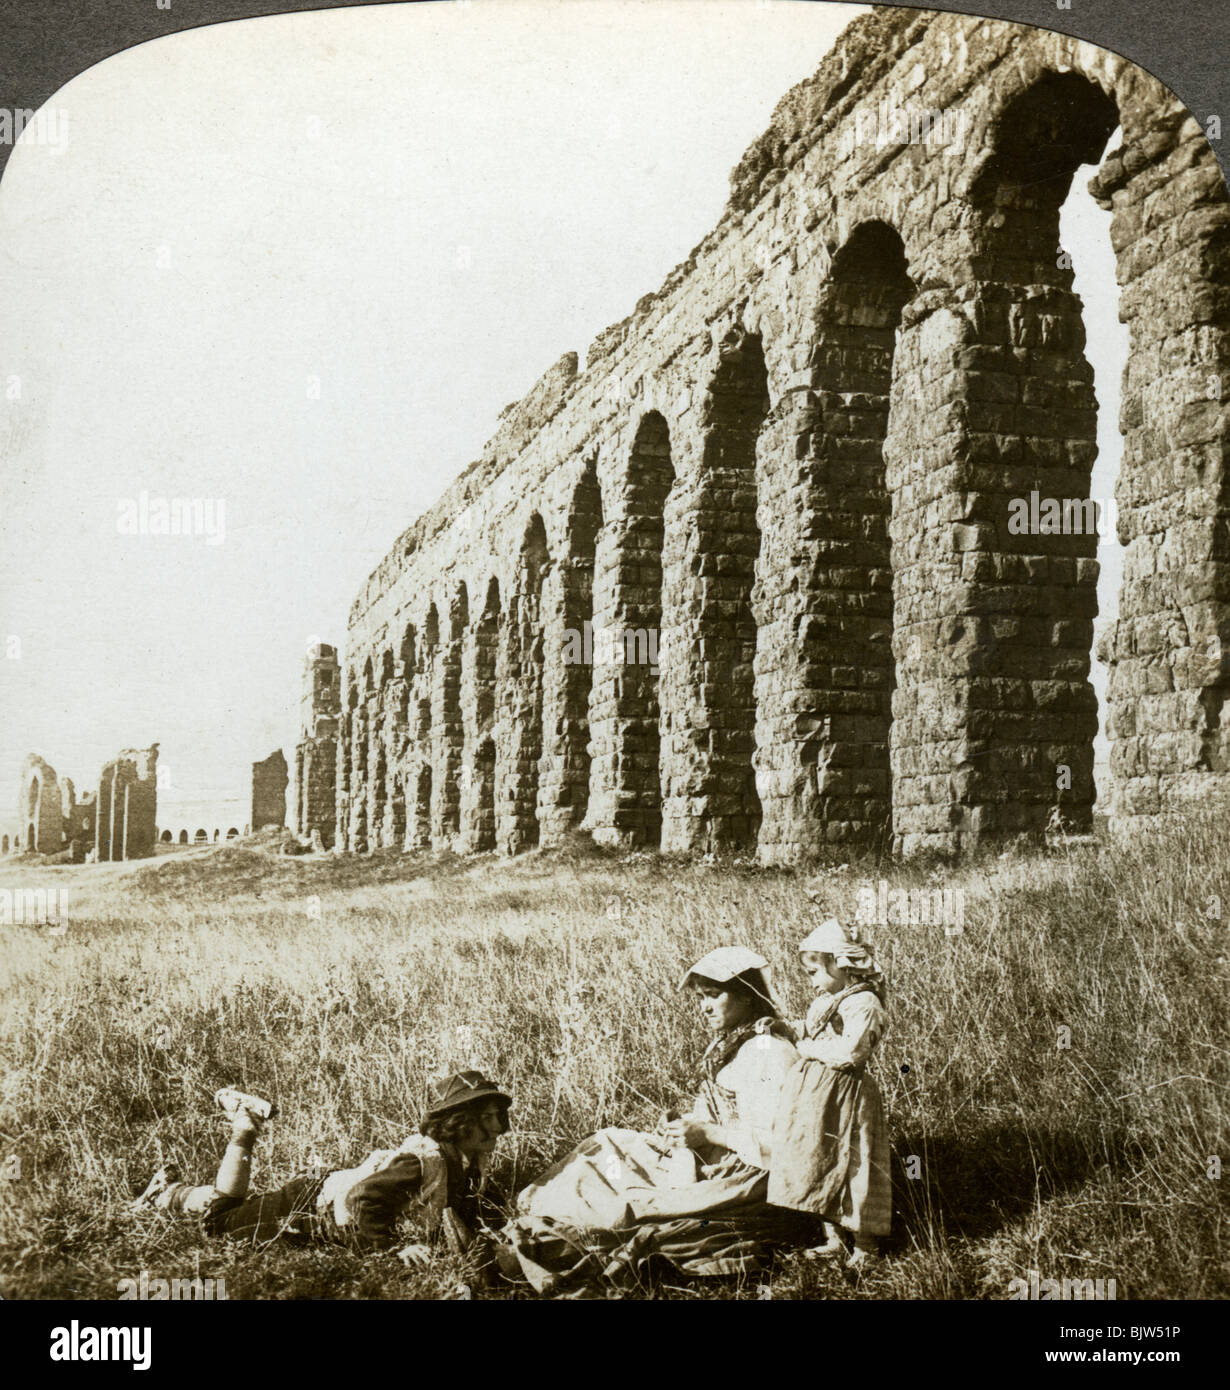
[(269, 778), (127, 805), (116, 822), (791, 472), (40, 808), (315, 792)]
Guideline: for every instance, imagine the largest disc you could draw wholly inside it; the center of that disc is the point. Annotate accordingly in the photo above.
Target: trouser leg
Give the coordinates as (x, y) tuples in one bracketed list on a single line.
[(288, 1211)]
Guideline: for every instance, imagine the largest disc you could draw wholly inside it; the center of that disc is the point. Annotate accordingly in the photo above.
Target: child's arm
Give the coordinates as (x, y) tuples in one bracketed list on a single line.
[(862, 1026)]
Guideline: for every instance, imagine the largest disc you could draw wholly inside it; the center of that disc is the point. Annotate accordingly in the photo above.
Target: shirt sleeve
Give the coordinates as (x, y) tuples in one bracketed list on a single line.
[(862, 1026), (375, 1203)]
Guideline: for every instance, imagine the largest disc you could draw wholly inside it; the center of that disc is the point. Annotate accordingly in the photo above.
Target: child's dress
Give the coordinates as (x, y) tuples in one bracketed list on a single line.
[(830, 1152)]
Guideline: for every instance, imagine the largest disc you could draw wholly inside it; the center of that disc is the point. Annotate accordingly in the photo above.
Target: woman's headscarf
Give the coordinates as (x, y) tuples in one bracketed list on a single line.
[(726, 965)]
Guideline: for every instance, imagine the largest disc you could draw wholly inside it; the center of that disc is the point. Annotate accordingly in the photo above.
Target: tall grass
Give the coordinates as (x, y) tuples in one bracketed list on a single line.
[(1055, 1078)]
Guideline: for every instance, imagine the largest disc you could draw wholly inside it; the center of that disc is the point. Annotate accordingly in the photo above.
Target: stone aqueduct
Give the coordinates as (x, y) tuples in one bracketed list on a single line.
[(795, 463)]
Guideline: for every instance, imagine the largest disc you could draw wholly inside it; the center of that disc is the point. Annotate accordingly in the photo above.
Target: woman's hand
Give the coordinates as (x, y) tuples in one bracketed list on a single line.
[(415, 1256), (687, 1132)]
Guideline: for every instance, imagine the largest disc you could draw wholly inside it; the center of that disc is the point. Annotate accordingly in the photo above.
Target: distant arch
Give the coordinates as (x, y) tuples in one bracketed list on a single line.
[(522, 693), (407, 655), (712, 731), (422, 808), (563, 797), (232, 833), (202, 836), (448, 724), (166, 837), (627, 740), (183, 837), (845, 746)]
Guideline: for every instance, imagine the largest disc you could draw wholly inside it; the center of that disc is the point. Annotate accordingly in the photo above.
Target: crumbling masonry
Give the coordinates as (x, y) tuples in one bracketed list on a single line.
[(269, 778), (792, 468), (315, 789), (124, 827)]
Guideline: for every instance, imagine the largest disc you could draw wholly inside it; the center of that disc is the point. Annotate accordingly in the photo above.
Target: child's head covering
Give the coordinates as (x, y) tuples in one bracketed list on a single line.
[(831, 938), (724, 963)]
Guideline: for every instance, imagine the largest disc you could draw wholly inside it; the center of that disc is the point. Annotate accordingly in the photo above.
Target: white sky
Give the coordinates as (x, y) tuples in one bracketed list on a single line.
[(298, 265)]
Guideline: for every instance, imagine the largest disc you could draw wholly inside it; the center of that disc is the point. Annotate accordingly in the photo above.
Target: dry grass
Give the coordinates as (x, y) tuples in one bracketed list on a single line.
[(338, 986)]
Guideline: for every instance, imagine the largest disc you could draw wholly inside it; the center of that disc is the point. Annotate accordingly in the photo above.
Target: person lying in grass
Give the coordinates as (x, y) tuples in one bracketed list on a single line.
[(438, 1175)]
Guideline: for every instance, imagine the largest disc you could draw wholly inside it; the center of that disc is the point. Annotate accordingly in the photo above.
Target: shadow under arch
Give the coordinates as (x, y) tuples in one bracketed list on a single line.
[(848, 635)]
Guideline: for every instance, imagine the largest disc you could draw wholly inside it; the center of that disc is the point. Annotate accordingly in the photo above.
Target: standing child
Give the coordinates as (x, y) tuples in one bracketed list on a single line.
[(830, 1153)]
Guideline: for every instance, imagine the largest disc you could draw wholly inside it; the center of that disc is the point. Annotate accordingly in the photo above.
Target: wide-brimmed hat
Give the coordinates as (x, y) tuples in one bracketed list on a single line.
[(460, 1088), (724, 964)]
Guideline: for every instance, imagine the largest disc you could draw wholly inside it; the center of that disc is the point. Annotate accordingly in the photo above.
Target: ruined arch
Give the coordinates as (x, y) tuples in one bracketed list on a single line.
[(232, 833), (1020, 631), (483, 835), (419, 830), (422, 808), (480, 667), (521, 686), (448, 727), (183, 836), (568, 604), (1039, 139), (380, 794), (4, 844), (851, 636), (406, 654), (202, 836), (166, 837), (708, 692), (41, 806), (626, 776)]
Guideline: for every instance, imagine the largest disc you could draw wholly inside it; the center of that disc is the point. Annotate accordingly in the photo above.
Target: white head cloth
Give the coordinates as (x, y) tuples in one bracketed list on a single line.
[(724, 964), (831, 938)]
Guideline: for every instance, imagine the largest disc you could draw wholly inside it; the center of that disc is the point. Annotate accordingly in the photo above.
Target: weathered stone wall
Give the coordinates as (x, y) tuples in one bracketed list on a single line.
[(40, 808), (780, 493), (269, 779), (127, 805), (315, 790)]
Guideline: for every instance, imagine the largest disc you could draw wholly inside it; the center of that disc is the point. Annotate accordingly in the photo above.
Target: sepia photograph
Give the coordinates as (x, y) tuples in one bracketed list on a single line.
[(615, 622)]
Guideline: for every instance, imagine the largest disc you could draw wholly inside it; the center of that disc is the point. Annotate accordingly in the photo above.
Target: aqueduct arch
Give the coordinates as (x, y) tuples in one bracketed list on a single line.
[(40, 808), (794, 466)]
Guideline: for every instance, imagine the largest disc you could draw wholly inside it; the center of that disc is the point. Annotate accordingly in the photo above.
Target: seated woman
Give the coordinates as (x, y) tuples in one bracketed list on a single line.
[(693, 1194), (439, 1174)]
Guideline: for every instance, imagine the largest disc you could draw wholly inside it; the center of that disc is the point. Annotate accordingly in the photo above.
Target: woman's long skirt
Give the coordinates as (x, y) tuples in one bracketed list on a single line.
[(830, 1148), (622, 1199)]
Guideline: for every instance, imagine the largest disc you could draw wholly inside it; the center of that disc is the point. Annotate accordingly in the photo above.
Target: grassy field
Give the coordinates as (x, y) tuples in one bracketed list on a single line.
[(1056, 1078)]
